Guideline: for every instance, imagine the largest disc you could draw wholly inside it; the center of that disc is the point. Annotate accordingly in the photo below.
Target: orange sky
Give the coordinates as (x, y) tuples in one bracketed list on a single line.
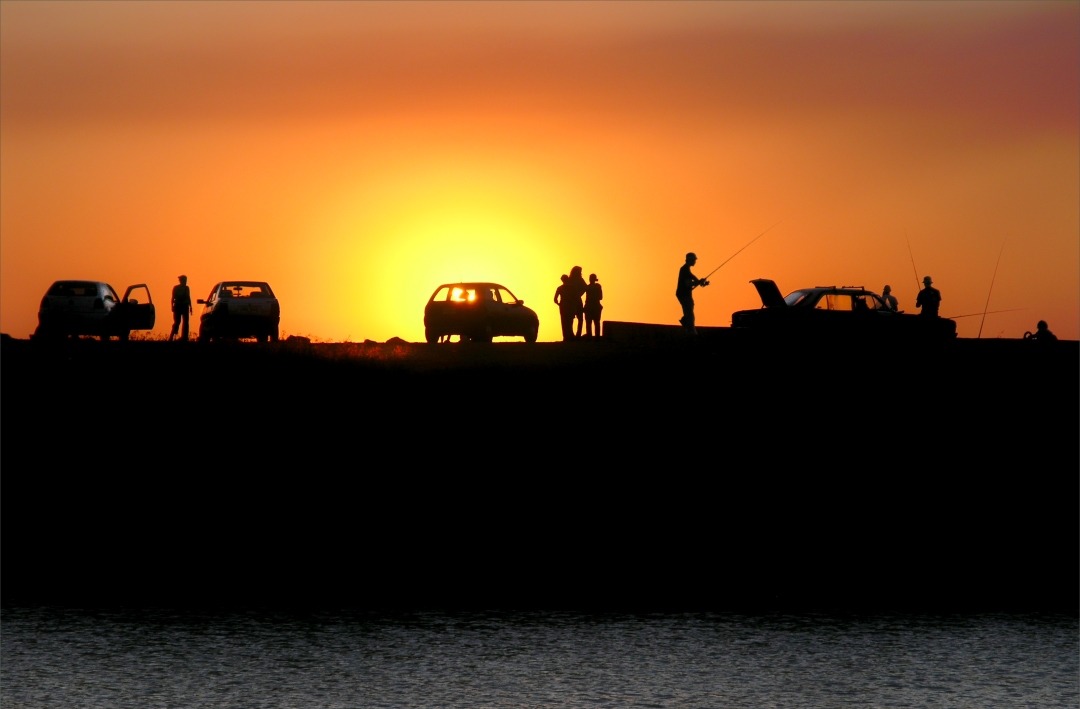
[(358, 155)]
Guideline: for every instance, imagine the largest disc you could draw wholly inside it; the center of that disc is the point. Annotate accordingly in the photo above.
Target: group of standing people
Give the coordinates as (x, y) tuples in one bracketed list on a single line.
[(571, 309)]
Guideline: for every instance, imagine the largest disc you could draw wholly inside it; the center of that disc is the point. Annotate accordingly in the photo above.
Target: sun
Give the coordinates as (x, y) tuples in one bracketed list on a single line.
[(393, 244)]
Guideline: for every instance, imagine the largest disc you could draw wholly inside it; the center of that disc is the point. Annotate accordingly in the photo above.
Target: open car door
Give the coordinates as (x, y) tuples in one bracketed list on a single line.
[(137, 308)]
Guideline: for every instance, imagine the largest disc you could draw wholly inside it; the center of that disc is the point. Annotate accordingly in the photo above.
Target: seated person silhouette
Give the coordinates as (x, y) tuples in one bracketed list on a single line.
[(1042, 333)]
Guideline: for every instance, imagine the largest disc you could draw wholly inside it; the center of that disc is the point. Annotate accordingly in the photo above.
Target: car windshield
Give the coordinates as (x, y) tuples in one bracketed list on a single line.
[(75, 289), (462, 295), (866, 301), (246, 290), (796, 297)]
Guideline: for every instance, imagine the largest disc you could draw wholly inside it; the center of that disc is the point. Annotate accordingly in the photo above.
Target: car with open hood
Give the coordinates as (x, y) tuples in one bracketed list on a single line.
[(73, 308), (236, 309), (478, 312), (835, 311)]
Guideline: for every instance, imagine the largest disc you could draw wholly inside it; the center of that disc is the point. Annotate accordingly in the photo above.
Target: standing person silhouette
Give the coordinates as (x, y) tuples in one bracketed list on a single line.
[(181, 309), (566, 314), (890, 300), (685, 292), (575, 289), (929, 299), (593, 295)]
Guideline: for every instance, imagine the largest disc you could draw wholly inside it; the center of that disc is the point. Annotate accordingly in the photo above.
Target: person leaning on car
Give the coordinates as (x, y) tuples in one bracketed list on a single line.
[(891, 303), (181, 308)]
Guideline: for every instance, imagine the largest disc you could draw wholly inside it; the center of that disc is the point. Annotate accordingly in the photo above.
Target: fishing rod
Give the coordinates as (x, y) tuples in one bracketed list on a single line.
[(740, 251), (990, 312), (992, 279), (918, 285)]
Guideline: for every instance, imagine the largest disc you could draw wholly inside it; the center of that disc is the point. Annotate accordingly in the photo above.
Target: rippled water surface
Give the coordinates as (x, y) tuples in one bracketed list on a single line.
[(71, 658)]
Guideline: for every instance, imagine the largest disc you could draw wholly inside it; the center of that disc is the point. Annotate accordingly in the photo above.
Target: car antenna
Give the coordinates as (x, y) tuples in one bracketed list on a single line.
[(992, 279), (914, 270), (740, 250)]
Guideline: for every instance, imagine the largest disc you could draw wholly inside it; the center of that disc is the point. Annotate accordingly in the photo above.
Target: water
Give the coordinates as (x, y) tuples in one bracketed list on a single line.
[(71, 658)]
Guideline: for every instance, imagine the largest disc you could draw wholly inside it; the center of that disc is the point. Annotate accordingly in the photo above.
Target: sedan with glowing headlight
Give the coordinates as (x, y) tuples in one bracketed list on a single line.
[(478, 312)]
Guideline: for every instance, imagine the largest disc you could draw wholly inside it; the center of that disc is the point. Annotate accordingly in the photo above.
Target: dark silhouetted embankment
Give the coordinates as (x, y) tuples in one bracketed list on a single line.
[(701, 474)]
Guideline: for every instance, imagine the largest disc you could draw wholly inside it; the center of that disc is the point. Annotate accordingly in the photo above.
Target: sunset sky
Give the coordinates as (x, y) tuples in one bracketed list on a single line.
[(357, 155)]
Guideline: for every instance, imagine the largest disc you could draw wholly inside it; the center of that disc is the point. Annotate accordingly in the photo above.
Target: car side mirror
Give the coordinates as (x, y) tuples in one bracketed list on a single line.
[(200, 301), (519, 302), (133, 302)]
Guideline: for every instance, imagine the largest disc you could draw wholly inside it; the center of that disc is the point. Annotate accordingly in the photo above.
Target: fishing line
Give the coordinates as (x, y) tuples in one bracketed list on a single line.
[(741, 250), (991, 289), (918, 285)]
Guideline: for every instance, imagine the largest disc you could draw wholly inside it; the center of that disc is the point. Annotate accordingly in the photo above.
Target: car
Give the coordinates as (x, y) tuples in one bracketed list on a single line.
[(72, 308), (236, 309), (832, 311), (478, 312)]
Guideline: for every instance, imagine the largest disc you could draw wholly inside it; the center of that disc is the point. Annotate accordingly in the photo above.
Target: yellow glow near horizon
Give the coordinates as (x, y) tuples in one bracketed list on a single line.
[(468, 220)]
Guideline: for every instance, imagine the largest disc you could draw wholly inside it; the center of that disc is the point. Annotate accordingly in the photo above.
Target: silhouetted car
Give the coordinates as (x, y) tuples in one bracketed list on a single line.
[(831, 310), (240, 309), (478, 312), (93, 308)]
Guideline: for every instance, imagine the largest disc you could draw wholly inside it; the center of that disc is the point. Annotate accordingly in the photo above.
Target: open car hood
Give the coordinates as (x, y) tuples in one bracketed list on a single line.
[(770, 294)]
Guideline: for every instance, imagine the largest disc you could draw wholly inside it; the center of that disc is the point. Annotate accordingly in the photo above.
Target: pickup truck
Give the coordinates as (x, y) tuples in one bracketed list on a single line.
[(236, 309)]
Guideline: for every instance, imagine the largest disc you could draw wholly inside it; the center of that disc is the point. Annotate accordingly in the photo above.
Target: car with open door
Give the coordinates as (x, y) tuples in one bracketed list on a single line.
[(237, 309), (478, 312), (835, 311), (73, 308)]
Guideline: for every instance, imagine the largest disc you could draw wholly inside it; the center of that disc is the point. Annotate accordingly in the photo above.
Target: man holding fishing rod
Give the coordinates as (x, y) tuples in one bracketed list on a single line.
[(688, 282), (929, 299), (685, 292)]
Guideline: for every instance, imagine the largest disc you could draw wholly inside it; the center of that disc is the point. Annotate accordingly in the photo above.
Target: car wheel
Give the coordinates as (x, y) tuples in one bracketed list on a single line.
[(430, 336), (124, 335), (275, 335), (531, 335), (485, 335)]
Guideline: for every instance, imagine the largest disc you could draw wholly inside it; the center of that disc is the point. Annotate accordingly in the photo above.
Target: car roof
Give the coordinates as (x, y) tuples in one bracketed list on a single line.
[(852, 290), (244, 284), (470, 285)]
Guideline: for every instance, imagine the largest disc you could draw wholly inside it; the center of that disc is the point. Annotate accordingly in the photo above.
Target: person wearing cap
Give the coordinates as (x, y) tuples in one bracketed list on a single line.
[(685, 292), (181, 309), (929, 299), (890, 300), (1042, 333)]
